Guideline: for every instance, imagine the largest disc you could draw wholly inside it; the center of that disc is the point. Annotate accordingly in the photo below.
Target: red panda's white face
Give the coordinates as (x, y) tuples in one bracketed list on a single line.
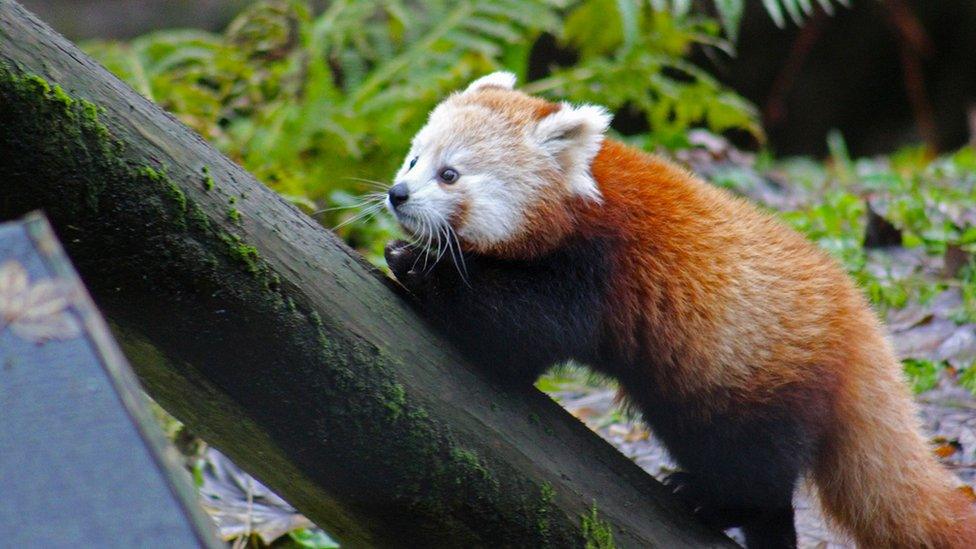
[(495, 167)]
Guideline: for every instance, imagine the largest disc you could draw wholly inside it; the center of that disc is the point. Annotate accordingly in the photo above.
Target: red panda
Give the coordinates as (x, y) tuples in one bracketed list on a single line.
[(748, 350)]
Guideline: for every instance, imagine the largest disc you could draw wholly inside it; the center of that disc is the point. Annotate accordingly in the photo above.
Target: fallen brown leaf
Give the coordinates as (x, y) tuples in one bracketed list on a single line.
[(583, 413), (946, 450)]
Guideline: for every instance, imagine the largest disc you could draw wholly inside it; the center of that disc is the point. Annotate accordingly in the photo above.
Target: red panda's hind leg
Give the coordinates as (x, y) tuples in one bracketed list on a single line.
[(768, 526), (742, 464), (773, 529), (697, 497)]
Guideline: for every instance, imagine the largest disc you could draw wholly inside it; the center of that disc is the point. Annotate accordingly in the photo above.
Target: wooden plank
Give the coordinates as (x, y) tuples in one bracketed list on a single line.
[(83, 463)]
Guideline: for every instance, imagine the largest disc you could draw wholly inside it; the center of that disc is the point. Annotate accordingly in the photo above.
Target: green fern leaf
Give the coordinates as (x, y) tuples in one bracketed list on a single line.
[(629, 11), (492, 29), (827, 6), (775, 12), (793, 8), (681, 8), (730, 14)]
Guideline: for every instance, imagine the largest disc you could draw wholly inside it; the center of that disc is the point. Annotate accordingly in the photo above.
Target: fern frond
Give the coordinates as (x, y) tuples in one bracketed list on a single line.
[(730, 15), (798, 10), (730, 11)]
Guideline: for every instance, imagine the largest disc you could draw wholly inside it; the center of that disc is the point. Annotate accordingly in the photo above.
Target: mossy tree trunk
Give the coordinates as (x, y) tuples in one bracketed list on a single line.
[(282, 347)]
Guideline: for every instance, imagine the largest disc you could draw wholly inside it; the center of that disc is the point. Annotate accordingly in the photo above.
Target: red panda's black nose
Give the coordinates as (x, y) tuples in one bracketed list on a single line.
[(399, 194)]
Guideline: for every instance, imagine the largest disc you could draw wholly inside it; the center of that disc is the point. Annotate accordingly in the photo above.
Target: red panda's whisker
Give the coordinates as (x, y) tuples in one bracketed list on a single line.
[(434, 235), (437, 231), (440, 247), (376, 184), (414, 241), (427, 230), (444, 244), (459, 260), (452, 238), (370, 199), (364, 214)]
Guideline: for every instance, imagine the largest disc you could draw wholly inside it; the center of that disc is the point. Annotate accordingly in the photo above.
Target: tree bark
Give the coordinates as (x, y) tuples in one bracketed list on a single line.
[(280, 346)]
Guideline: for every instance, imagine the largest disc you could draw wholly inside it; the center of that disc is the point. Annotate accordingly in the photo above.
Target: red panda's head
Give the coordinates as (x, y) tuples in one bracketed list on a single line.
[(501, 170)]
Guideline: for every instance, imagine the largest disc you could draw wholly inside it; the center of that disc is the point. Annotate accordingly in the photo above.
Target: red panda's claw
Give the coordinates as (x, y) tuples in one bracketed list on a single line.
[(698, 500), (401, 257)]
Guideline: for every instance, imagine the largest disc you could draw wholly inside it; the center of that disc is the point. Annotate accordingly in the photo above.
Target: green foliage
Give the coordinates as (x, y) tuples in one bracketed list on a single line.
[(546, 495), (967, 378), (931, 204), (930, 201), (571, 377), (730, 11), (312, 538), (632, 60), (835, 223), (967, 281), (796, 9), (321, 107), (597, 533), (923, 374), (317, 106), (730, 14)]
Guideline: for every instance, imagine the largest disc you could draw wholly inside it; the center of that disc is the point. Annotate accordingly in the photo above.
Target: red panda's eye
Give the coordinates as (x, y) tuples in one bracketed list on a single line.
[(448, 175)]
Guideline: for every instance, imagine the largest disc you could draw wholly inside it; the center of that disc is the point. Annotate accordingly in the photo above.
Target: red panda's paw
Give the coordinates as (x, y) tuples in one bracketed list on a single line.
[(405, 261), (700, 501)]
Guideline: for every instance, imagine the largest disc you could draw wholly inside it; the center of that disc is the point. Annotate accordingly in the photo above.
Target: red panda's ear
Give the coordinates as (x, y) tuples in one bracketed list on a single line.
[(573, 135), (500, 79)]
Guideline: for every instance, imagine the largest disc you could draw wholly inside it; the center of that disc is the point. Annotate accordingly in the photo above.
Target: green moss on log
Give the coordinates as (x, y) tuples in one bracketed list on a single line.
[(469, 461), (597, 533), (396, 399), (169, 188), (544, 511), (199, 218), (63, 125), (315, 319), (87, 155), (243, 253), (208, 180), (434, 480)]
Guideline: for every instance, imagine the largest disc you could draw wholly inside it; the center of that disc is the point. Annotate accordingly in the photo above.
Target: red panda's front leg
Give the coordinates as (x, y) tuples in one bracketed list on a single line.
[(516, 318)]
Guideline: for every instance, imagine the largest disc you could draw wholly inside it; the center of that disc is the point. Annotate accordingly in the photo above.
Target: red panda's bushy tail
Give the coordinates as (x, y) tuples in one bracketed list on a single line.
[(877, 477)]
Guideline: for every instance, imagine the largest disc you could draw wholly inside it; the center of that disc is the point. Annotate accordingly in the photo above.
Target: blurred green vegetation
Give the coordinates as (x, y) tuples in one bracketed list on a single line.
[(931, 202), (321, 107)]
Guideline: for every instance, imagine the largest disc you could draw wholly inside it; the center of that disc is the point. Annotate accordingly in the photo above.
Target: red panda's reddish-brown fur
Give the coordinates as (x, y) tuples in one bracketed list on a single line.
[(713, 315), (714, 266)]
